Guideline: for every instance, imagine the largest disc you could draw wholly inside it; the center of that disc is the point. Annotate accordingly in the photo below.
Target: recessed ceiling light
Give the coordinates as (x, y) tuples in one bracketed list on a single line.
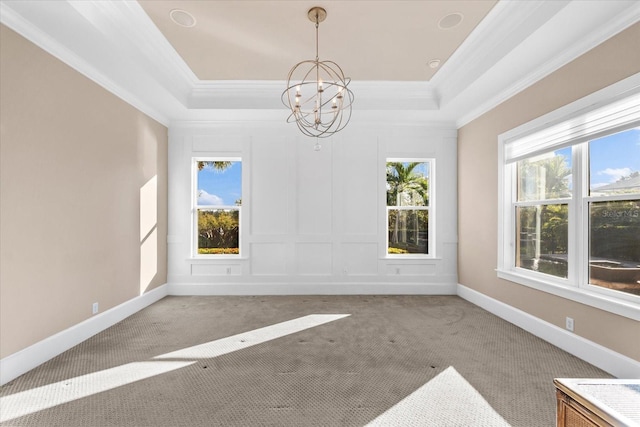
[(182, 18), (434, 63), (450, 21)]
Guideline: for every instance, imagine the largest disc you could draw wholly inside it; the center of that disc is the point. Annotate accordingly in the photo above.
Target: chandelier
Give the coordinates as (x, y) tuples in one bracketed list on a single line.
[(317, 92)]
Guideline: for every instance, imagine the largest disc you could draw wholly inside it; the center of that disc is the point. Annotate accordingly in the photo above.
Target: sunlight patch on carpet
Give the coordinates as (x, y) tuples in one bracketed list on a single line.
[(247, 339), (447, 400), (48, 396)]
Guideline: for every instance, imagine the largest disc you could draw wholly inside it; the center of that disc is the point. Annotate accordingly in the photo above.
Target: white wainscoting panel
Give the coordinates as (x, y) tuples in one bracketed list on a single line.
[(268, 259), (403, 269), (312, 221), (314, 259), (356, 189), (359, 259), (217, 269), (270, 186), (208, 143), (314, 198)]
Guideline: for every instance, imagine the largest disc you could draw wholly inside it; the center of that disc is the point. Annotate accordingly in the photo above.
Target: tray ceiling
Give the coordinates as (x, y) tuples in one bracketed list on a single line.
[(370, 40), (232, 65)]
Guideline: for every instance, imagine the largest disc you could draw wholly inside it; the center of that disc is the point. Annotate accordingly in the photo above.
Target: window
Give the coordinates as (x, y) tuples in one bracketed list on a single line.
[(541, 212), (409, 201), (217, 206), (570, 205), (613, 207)]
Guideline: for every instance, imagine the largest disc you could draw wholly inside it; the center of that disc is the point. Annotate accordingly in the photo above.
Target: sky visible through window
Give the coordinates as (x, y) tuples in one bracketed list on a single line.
[(220, 188), (611, 158), (422, 169), (610, 161), (614, 157)]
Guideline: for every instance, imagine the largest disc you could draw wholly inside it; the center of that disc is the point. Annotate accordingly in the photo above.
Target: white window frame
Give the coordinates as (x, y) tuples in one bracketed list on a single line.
[(430, 209), (610, 110), (195, 207)]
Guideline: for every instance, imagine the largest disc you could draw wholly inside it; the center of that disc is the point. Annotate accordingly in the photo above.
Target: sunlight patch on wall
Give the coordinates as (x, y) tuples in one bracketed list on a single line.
[(148, 207), (148, 233), (148, 260)]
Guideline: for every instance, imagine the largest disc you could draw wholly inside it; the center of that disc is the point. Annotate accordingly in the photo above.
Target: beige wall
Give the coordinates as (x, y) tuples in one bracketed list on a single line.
[(76, 161), (608, 63)]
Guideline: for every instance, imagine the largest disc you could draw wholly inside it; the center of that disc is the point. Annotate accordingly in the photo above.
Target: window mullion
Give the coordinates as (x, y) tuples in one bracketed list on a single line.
[(513, 222), (576, 229)]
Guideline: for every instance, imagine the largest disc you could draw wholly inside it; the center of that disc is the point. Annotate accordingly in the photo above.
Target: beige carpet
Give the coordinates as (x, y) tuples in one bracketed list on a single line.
[(299, 361)]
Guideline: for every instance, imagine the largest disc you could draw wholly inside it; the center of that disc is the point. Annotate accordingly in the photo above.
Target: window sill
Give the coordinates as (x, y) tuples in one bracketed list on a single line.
[(617, 306), (225, 258)]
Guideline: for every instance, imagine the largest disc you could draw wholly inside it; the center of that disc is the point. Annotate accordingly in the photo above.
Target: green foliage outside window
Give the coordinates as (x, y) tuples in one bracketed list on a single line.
[(218, 229), (543, 234), (408, 186)]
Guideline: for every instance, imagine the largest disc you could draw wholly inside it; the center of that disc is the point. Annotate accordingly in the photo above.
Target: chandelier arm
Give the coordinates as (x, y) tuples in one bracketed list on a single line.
[(290, 86), (302, 120), (289, 100), (335, 77), (305, 130), (300, 111)]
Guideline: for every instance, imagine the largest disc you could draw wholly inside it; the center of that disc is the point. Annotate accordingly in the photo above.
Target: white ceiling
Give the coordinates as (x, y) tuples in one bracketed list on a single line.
[(233, 63)]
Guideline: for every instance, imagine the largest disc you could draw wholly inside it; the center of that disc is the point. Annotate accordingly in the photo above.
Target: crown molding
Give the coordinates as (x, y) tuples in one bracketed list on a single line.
[(583, 44), (122, 50), (236, 94), (132, 32), (498, 34), (369, 95), (29, 30)]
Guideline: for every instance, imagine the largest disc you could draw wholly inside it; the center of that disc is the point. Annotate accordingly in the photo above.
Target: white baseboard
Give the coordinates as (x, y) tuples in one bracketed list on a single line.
[(608, 360), (614, 363), (312, 289), (23, 361)]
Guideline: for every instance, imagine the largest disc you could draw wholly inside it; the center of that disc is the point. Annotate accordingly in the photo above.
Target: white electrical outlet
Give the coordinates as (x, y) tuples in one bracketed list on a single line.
[(569, 324), (94, 309)]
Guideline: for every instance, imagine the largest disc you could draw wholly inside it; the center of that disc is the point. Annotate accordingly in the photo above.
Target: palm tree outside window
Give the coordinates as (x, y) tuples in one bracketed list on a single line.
[(408, 205)]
